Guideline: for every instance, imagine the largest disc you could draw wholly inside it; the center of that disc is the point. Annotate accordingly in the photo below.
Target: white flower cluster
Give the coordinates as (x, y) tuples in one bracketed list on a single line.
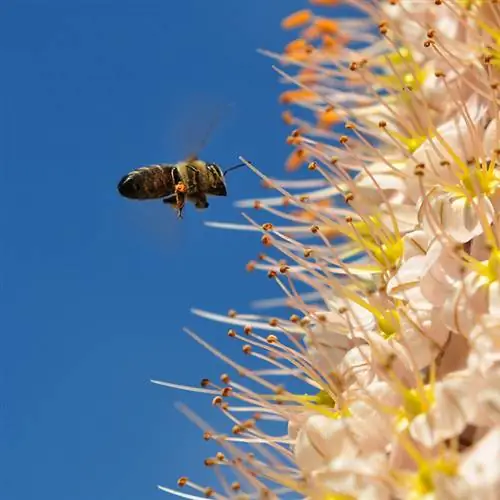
[(400, 337)]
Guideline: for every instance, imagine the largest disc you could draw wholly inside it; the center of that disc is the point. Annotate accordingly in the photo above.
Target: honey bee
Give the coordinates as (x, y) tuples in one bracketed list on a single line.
[(190, 180)]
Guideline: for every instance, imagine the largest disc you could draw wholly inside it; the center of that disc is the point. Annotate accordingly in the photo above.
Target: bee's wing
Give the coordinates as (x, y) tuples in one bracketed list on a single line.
[(196, 122)]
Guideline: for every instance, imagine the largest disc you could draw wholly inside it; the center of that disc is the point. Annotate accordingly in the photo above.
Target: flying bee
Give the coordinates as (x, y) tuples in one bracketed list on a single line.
[(190, 180)]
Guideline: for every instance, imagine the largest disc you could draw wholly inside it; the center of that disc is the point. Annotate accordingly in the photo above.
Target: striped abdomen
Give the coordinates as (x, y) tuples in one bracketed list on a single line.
[(154, 181)]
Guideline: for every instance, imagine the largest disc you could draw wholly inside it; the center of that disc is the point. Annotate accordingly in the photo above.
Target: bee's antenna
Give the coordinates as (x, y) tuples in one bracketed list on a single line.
[(234, 168)]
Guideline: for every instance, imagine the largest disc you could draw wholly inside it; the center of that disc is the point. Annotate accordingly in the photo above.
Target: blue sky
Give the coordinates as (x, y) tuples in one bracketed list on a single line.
[(96, 288)]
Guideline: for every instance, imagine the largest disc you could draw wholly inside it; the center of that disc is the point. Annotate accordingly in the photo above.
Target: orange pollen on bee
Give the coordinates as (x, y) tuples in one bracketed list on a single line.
[(180, 187), (296, 19)]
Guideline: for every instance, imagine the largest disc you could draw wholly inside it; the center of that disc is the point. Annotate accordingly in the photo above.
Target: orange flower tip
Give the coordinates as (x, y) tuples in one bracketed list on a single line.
[(257, 204), (247, 349), (296, 45), (328, 26), (287, 117), (383, 28), (182, 481), (419, 170), (312, 166), (349, 197), (297, 19), (272, 339), (324, 3), (251, 266), (343, 139), (314, 229), (217, 401), (226, 392), (348, 219), (208, 492), (294, 318), (207, 435), (236, 486), (284, 269), (261, 256), (209, 462), (330, 44), (266, 240), (311, 33), (232, 313), (247, 330), (231, 333), (273, 322), (267, 226), (225, 378), (308, 252), (272, 274), (220, 456), (350, 126), (304, 198), (296, 159), (297, 95), (267, 184), (280, 390)]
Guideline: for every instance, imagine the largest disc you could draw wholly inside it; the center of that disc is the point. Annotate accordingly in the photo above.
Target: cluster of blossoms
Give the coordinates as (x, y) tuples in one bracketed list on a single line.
[(385, 382)]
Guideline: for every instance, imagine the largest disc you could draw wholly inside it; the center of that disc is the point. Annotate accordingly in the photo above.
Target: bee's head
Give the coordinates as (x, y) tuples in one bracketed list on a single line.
[(217, 183)]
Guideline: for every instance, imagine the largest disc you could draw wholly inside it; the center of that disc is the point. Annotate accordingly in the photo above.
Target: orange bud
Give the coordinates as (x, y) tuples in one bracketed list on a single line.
[(298, 95), (311, 32), (296, 19), (327, 118), (327, 26), (325, 3), (296, 160), (296, 45), (287, 117)]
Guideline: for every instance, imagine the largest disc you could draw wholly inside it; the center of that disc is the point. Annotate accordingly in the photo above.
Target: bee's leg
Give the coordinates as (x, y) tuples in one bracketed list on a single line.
[(200, 201), (170, 199)]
